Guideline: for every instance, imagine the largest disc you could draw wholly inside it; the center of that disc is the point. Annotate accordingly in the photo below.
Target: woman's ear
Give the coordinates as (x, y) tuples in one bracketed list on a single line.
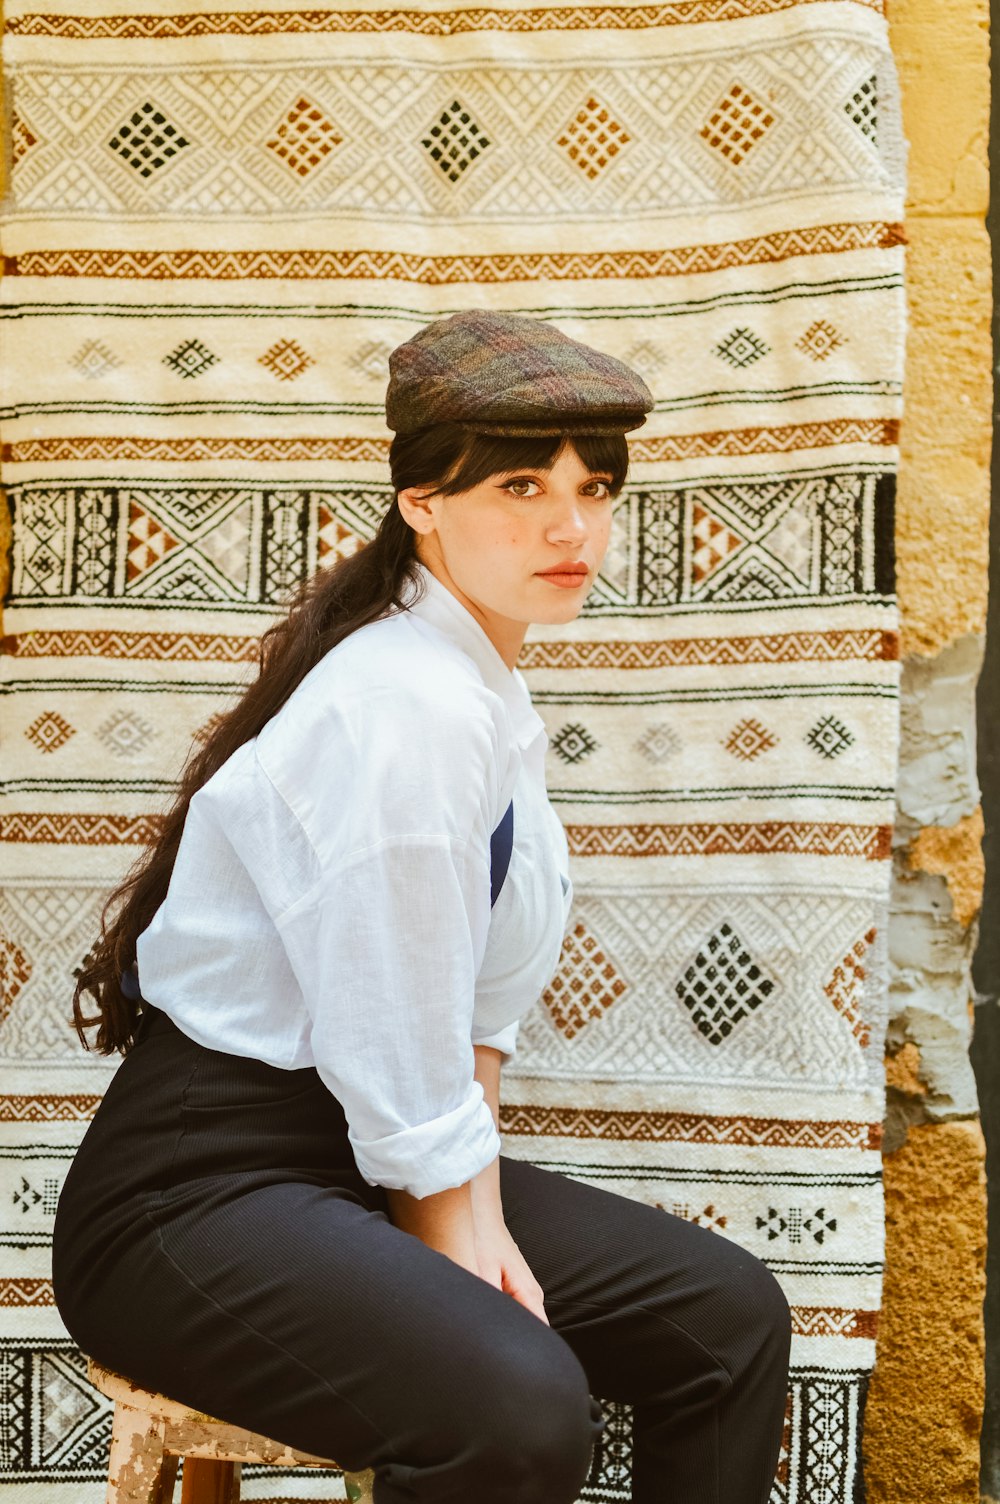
[(418, 508)]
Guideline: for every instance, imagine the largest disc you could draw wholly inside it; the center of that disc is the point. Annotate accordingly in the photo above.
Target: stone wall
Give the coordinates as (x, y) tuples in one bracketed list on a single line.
[(926, 1402)]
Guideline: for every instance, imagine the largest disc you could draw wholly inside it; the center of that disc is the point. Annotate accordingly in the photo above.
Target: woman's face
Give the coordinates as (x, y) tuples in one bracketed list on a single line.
[(497, 546)]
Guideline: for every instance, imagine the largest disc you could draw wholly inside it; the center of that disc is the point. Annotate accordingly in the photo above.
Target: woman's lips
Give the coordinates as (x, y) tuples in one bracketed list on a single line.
[(566, 579)]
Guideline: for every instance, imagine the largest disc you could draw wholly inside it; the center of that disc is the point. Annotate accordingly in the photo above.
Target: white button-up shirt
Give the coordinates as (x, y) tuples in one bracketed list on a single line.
[(330, 901)]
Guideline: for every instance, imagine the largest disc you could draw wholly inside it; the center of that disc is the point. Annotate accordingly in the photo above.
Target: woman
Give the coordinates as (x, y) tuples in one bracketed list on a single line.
[(290, 1209)]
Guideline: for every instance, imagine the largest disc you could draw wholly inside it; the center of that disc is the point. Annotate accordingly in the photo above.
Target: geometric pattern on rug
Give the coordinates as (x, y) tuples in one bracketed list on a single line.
[(216, 245), (786, 539)]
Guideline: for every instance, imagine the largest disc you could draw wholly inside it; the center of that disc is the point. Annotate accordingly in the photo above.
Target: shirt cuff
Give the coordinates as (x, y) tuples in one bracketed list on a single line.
[(504, 1040), (433, 1156)]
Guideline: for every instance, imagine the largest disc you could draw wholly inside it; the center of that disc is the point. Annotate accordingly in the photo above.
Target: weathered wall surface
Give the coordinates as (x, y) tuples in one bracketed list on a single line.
[(922, 1433)]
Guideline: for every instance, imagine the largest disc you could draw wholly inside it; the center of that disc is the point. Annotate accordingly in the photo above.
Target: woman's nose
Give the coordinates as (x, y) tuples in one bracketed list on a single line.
[(570, 523)]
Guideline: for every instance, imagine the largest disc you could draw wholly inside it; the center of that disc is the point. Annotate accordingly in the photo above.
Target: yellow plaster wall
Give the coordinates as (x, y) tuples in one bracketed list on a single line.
[(925, 1403), (925, 1406)]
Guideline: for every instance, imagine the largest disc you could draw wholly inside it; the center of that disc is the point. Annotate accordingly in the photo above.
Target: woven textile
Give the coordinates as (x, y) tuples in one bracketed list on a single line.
[(221, 223)]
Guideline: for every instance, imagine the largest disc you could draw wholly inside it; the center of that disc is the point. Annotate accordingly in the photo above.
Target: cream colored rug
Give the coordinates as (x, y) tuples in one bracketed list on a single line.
[(221, 222)]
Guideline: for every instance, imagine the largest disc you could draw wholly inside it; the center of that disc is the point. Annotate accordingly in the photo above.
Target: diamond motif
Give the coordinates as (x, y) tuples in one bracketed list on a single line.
[(286, 360), (748, 739), (50, 732), (227, 191), (737, 124), (304, 138), (829, 737), (585, 985), (573, 743), (658, 743), (791, 541), (227, 545), (862, 108), (372, 359), (454, 141), (646, 357), (820, 340), (94, 360), (147, 140), (333, 540), (15, 972), (148, 542), (380, 186), (741, 348), (845, 987), (713, 542), (125, 734), (190, 359), (73, 187), (230, 93), (722, 985), (593, 138)]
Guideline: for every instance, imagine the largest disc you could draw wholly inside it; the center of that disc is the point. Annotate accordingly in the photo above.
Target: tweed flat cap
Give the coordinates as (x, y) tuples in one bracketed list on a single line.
[(506, 373)]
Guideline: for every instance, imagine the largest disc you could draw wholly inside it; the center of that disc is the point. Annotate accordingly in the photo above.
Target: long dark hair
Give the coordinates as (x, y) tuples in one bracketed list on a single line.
[(334, 603)]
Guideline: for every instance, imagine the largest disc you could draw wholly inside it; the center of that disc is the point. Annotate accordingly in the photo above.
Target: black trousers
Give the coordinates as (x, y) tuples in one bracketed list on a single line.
[(215, 1241)]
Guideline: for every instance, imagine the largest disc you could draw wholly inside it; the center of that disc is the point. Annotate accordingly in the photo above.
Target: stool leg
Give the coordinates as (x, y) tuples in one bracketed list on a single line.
[(138, 1470), (359, 1486), (168, 1477), (205, 1481)]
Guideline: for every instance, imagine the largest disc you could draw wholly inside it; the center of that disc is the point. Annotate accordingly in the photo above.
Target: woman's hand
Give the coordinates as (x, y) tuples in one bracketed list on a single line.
[(466, 1223), (502, 1264)]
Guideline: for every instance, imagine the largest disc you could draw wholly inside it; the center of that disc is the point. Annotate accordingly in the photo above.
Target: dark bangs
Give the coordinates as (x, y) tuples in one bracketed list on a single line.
[(452, 460)]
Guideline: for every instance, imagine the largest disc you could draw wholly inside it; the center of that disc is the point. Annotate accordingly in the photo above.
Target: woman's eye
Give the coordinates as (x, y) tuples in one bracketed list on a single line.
[(520, 486), (599, 488)]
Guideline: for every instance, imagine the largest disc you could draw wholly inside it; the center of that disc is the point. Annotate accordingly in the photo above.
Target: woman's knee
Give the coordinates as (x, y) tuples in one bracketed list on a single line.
[(752, 1304), (535, 1438)]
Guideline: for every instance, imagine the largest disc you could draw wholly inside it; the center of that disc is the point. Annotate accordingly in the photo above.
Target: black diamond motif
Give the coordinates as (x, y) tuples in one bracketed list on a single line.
[(573, 743), (190, 358), (741, 348), (722, 985), (147, 140), (862, 108), (454, 141), (829, 737)]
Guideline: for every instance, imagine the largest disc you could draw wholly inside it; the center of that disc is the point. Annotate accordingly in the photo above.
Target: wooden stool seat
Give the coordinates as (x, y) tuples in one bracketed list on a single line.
[(150, 1434)]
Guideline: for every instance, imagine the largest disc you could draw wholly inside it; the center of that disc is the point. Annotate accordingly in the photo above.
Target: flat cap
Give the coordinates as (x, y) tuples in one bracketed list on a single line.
[(506, 373)]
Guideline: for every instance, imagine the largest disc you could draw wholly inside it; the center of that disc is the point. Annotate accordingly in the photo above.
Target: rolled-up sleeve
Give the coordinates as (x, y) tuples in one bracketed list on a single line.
[(386, 947), (504, 1040)]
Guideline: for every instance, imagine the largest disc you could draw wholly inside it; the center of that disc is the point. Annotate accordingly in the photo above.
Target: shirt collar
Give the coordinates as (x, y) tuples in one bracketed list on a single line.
[(446, 614)]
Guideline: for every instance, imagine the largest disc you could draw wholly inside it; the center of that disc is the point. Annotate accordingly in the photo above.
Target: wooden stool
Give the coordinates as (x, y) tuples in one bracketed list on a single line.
[(151, 1433)]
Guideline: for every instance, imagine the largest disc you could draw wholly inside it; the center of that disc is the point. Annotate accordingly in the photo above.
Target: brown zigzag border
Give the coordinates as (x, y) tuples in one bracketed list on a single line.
[(80, 829), (871, 645), (557, 266), (782, 439), (869, 843), (833, 1321), (26, 1292), (422, 23), (616, 1124), (48, 1109), (628, 1125)]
